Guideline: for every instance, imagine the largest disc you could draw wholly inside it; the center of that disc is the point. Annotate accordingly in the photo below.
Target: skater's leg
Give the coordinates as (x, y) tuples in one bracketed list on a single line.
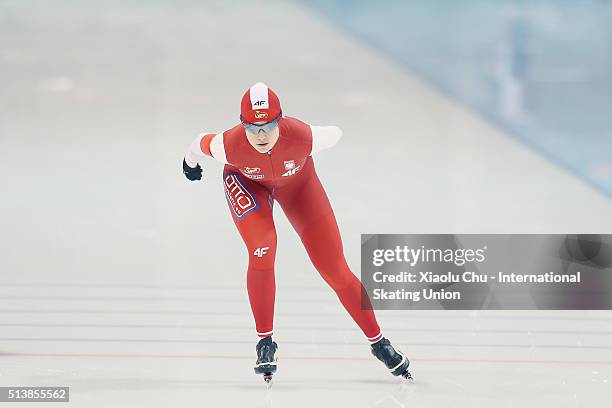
[(309, 211), (251, 208)]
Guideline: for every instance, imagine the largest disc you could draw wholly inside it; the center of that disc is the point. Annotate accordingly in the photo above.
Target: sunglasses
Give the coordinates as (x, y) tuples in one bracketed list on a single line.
[(266, 127)]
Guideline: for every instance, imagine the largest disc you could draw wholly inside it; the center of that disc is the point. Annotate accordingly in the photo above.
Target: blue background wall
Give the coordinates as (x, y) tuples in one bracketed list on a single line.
[(542, 70)]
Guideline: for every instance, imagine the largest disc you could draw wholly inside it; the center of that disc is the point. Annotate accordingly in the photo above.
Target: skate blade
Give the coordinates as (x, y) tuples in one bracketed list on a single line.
[(268, 379), (407, 376)]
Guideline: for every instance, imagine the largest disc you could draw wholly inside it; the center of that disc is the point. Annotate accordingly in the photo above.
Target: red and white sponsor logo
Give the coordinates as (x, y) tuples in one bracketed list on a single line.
[(291, 172), (239, 198), (260, 252), (260, 114), (251, 170)]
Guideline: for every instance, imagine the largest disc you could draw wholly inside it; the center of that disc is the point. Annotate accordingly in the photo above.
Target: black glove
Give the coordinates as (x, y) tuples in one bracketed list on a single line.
[(192, 173)]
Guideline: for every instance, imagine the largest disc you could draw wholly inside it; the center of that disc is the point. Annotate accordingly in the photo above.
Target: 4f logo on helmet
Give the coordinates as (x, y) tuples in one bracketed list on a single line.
[(260, 252), (240, 199), (259, 103), (260, 114)]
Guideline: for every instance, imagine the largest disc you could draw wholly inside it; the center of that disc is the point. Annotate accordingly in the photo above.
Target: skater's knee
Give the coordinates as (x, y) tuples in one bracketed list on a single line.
[(261, 247), (262, 254), (326, 265), (339, 276)]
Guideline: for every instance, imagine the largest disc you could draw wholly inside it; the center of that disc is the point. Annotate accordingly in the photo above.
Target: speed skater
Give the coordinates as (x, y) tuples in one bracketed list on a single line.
[(268, 158)]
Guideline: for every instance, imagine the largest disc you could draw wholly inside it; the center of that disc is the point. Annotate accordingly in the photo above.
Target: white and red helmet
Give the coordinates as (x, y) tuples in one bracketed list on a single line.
[(259, 104)]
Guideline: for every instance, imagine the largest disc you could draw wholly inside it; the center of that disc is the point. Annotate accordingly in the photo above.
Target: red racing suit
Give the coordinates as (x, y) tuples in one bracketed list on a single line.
[(253, 181)]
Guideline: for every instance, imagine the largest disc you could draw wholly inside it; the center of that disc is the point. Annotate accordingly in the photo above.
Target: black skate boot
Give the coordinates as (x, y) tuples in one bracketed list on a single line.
[(396, 361), (266, 362)]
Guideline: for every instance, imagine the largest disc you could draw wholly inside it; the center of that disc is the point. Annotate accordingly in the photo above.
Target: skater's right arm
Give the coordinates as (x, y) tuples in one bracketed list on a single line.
[(206, 144)]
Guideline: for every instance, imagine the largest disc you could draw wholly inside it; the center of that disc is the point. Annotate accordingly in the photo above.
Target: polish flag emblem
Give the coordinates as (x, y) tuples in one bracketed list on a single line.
[(289, 164)]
